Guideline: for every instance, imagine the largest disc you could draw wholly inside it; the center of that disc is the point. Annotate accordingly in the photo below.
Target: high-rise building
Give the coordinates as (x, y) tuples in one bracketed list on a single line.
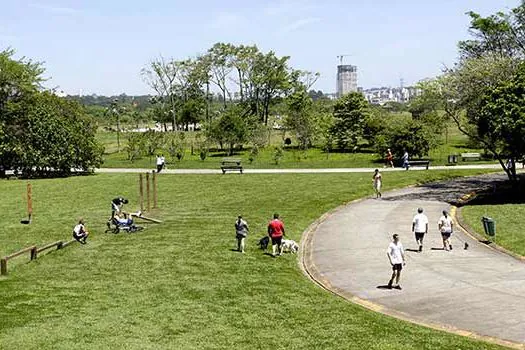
[(346, 79)]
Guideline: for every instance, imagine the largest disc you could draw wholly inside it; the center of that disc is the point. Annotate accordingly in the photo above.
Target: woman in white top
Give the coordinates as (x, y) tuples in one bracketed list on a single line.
[(376, 178), (446, 226)]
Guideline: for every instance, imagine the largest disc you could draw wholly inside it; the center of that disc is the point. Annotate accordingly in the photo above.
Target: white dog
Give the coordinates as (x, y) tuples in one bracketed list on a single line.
[(289, 245)]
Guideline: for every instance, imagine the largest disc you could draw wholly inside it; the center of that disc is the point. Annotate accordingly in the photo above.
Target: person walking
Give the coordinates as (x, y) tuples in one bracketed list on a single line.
[(376, 178), (405, 157), (241, 231), (396, 256), (446, 227), (389, 158), (420, 227), (160, 163), (276, 233)]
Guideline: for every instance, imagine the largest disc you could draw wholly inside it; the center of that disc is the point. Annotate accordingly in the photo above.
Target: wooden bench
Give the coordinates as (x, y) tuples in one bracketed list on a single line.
[(470, 156), (425, 163), (231, 164)]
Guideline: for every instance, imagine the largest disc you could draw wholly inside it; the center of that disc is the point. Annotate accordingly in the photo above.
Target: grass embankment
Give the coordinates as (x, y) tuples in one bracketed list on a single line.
[(509, 224), (453, 143), (179, 285)]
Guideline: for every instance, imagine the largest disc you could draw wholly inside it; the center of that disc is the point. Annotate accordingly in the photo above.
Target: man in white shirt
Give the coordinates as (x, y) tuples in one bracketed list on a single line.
[(446, 226), (396, 256), (420, 227)]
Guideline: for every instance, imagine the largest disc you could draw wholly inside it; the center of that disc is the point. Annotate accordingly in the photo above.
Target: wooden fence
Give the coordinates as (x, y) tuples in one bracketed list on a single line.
[(33, 253)]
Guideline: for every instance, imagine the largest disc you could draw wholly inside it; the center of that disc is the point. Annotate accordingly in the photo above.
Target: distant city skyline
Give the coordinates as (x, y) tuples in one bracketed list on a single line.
[(98, 47)]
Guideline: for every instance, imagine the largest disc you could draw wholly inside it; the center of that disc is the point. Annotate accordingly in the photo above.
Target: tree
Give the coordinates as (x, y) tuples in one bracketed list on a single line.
[(51, 136), (229, 129), (501, 120), (40, 132), (350, 113)]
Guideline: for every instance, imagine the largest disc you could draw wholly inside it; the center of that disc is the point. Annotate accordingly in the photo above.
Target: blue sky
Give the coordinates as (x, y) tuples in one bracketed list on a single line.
[(100, 46)]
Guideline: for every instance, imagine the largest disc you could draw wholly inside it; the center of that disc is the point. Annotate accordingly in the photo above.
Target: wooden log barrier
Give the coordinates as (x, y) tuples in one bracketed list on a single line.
[(3, 262)]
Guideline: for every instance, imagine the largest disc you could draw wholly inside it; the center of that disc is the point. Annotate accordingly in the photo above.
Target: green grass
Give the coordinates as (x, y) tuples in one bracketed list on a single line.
[(178, 285), (509, 223), (453, 143)]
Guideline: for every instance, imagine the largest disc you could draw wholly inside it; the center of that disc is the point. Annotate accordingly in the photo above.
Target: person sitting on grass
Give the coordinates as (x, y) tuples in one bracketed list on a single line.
[(80, 233)]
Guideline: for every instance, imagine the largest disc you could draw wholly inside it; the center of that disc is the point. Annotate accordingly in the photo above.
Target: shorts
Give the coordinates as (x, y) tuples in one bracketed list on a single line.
[(79, 236), (397, 267), (239, 236), (277, 240), (377, 186), (446, 235), (419, 235)]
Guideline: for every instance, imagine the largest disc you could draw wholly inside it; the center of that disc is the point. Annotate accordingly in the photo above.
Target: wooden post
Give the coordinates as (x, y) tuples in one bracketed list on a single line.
[(141, 192), (29, 201), (3, 268), (154, 183), (33, 253), (147, 192)]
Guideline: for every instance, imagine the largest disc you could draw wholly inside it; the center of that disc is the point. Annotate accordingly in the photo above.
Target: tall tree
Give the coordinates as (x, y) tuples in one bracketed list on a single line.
[(350, 114)]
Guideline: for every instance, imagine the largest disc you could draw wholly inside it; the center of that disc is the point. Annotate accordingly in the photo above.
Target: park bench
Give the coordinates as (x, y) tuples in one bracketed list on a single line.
[(470, 156), (231, 164), (424, 163)]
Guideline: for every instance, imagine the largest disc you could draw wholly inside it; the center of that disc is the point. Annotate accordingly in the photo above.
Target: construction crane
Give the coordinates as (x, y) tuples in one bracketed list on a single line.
[(340, 57)]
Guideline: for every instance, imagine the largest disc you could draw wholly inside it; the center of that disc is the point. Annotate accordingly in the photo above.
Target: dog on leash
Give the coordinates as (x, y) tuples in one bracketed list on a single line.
[(290, 246), (263, 242)]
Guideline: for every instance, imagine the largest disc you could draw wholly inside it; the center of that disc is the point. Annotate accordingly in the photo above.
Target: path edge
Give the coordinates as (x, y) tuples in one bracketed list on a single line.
[(309, 269)]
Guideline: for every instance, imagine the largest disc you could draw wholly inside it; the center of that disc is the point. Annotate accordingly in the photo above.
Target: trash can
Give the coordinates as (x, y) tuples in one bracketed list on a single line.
[(489, 225), (452, 159)]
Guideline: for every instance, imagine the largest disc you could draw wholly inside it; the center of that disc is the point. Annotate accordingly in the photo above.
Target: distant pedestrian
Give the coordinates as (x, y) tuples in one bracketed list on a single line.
[(420, 227), (241, 231), (406, 163), (376, 178), (80, 233), (389, 159), (160, 163), (396, 256), (276, 233), (446, 227)]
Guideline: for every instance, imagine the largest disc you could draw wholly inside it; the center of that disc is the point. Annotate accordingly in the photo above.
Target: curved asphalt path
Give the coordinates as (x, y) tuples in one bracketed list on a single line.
[(477, 292)]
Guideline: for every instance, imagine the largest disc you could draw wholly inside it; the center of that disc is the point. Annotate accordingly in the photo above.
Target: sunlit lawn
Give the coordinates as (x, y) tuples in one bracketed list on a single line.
[(179, 285)]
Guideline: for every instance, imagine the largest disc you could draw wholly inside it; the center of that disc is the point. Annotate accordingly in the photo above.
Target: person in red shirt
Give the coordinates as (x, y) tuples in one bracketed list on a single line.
[(276, 232)]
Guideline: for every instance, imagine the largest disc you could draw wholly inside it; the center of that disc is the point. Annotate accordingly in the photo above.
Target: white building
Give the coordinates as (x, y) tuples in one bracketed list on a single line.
[(346, 79)]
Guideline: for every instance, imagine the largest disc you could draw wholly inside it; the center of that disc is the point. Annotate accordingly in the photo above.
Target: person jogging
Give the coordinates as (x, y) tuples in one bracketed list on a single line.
[(276, 232), (446, 227), (420, 227), (396, 256)]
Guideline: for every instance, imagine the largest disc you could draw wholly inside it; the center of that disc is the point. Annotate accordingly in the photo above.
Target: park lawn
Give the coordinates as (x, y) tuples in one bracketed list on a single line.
[(179, 285), (509, 224), (453, 143)]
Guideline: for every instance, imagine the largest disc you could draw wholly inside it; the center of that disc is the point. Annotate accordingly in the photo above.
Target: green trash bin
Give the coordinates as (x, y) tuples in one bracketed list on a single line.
[(489, 225)]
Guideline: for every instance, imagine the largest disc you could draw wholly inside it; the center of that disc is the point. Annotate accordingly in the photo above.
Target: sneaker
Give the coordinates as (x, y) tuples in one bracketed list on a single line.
[(398, 287), (389, 285), (420, 248), (450, 247)]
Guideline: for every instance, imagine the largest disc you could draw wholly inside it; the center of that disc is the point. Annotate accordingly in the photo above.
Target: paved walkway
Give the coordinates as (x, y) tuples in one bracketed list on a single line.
[(295, 171), (479, 290)]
